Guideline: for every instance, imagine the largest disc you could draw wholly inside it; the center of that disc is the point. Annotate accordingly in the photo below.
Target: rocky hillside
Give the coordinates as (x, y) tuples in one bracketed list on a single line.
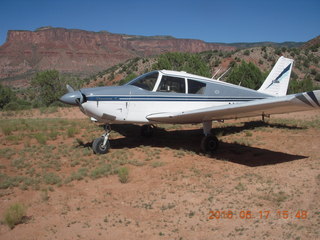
[(306, 63), (82, 52), (312, 44)]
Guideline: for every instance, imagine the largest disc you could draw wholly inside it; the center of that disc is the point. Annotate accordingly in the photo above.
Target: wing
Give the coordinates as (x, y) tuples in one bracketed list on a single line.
[(273, 105)]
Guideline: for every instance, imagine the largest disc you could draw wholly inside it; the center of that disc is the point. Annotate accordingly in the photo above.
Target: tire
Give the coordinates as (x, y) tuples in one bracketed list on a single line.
[(209, 144), (98, 148), (147, 131)]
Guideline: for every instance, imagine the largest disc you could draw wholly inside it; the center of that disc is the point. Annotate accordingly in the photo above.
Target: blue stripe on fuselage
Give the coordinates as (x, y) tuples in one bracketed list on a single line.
[(168, 99)]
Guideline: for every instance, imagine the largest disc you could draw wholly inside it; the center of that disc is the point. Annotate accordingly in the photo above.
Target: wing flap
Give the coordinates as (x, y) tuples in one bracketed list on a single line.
[(290, 103)]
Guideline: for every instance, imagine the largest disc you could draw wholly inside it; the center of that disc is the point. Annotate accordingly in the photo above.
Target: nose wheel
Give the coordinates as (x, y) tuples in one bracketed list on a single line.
[(101, 145)]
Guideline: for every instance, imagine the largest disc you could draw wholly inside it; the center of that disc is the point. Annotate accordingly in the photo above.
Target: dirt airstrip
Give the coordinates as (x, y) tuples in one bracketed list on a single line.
[(263, 182)]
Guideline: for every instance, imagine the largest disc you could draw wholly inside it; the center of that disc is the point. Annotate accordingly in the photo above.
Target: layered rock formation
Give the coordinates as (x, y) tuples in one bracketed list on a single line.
[(82, 52)]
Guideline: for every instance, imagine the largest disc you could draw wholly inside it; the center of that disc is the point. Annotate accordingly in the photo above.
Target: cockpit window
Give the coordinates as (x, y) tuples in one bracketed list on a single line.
[(172, 84), (195, 87), (145, 81)]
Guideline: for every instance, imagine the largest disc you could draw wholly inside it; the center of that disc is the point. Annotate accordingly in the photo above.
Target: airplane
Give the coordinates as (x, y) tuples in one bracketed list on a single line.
[(177, 97)]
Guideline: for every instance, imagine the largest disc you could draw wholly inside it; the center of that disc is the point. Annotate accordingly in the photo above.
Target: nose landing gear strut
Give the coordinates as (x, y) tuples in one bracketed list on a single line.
[(101, 145)]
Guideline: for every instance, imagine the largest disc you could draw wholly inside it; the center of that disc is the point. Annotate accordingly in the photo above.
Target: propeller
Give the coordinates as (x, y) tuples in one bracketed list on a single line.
[(69, 88), (73, 97)]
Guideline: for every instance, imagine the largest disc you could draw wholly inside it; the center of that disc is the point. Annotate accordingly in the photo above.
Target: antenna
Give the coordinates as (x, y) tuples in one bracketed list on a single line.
[(216, 73), (224, 73)]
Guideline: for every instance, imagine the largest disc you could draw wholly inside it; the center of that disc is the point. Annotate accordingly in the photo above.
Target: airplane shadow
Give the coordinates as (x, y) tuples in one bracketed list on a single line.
[(251, 126), (190, 140), (252, 156), (131, 129)]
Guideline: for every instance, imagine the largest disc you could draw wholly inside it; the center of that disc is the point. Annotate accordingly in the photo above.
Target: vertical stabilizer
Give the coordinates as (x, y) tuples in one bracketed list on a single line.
[(277, 82)]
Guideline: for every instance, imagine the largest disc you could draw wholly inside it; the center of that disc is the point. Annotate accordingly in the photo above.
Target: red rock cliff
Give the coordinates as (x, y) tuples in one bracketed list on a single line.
[(82, 52)]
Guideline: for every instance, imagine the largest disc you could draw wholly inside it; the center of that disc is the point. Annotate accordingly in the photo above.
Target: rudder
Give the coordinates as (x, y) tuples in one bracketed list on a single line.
[(276, 84)]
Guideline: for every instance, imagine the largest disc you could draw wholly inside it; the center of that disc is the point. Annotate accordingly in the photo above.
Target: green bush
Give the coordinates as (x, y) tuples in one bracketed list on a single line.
[(248, 74), (278, 51), (48, 86), (127, 78), (71, 131), (17, 104), (101, 171), (6, 96), (123, 174), (51, 178), (41, 138), (11, 106), (14, 214), (246, 52), (191, 63), (305, 85)]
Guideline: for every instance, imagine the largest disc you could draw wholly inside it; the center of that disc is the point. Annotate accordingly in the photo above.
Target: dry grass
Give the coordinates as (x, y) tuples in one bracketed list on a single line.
[(14, 215), (170, 186)]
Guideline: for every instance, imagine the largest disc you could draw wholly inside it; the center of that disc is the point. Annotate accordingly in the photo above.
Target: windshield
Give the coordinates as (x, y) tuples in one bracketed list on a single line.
[(145, 81)]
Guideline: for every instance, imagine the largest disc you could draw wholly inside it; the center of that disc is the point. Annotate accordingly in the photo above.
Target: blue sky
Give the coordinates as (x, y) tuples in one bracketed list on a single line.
[(212, 21)]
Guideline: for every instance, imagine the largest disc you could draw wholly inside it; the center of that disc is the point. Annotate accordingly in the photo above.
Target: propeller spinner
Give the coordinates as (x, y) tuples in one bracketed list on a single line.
[(73, 97)]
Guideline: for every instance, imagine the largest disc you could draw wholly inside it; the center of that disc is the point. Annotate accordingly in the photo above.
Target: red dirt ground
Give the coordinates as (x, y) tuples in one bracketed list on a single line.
[(263, 183)]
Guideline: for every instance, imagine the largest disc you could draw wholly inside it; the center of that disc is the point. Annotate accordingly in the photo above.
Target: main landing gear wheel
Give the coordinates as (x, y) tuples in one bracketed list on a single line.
[(101, 145), (209, 143), (147, 130)]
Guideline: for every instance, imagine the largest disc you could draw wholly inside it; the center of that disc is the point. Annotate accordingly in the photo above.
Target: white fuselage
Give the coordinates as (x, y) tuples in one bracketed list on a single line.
[(138, 111), (160, 92)]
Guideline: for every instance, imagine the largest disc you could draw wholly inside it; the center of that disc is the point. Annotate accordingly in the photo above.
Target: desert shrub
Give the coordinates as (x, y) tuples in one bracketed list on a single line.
[(14, 214), (41, 138), (11, 106), (51, 178), (123, 174), (191, 63), (101, 171), (6, 96), (278, 51), (305, 85), (128, 78), (48, 86), (248, 74), (17, 104), (79, 175), (71, 131), (7, 130)]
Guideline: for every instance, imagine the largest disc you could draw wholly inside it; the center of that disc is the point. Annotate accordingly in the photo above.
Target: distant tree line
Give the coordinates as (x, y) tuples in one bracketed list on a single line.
[(45, 90), (9, 100)]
